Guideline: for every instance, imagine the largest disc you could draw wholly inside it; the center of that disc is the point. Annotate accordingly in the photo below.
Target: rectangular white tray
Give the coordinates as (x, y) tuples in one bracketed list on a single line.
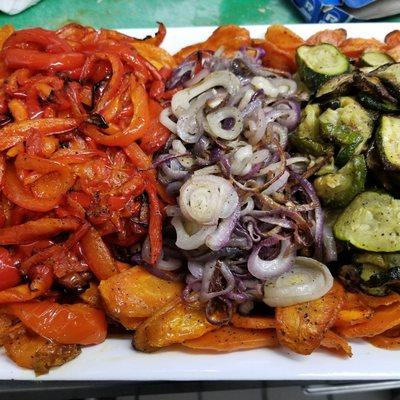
[(116, 360)]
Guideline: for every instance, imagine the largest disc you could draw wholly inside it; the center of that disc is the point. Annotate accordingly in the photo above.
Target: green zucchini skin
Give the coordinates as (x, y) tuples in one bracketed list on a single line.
[(375, 59), (373, 86), (307, 137), (317, 64), (339, 189), (388, 142), (371, 222), (376, 104), (337, 86), (348, 127), (390, 75)]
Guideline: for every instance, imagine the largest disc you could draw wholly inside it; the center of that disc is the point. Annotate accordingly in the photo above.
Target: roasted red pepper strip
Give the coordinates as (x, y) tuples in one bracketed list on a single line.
[(39, 60), (17, 132), (155, 222), (157, 134), (97, 255), (9, 274), (15, 191), (2, 168), (42, 278), (39, 229), (136, 129), (115, 81), (138, 157), (47, 40), (48, 186), (157, 89), (63, 323), (21, 294)]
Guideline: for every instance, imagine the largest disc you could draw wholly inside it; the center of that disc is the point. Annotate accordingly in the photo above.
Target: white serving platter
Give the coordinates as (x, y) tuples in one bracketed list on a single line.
[(115, 359)]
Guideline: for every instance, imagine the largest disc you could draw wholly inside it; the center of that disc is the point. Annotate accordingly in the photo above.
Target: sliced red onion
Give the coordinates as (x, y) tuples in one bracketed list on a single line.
[(241, 160), (215, 123), (251, 108), (296, 160), (162, 158), (275, 166), (238, 242), (196, 269), (209, 170), (218, 156), (253, 231), (205, 199), (246, 99), (234, 100), (173, 170), (181, 100), (191, 292), (166, 120), (190, 242), (318, 231), (267, 269), (173, 211), (295, 216), (173, 188), (259, 70), (278, 184), (172, 264), (292, 119), (256, 134), (253, 172), (180, 74), (197, 78), (261, 156), (258, 94), (329, 243), (283, 223), (187, 126), (319, 217), (208, 273), (201, 146), (274, 87), (280, 132), (220, 237), (215, 318), (228, 252), (249, 206), (307, 280), (166, 275)]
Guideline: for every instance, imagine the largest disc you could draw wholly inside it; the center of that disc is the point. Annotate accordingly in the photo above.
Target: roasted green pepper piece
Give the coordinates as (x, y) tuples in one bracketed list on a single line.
[(339, 188), (307, 137), (349, 127)]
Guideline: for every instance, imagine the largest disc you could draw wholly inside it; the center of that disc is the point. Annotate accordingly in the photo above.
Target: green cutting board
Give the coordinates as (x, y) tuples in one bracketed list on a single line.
[(145, 13)]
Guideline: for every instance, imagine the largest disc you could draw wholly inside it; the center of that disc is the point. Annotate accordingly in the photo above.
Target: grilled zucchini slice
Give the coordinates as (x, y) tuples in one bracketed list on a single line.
[(388, 141), (334, 87), (371, 222), (390, 76), (317, 64), (376, 104), (339, 188), (375, 59)]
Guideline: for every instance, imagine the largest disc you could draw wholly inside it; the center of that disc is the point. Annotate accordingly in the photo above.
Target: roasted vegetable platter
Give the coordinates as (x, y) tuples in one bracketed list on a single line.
[(267, 190)]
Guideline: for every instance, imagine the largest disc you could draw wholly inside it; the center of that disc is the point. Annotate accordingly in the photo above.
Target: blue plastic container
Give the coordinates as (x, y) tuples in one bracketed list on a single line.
[(324, 10)]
